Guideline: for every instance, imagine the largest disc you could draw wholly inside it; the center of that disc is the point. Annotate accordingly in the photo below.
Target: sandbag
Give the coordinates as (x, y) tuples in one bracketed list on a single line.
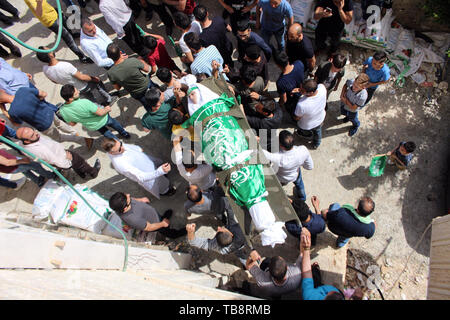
[(405, 44), (45, 200), (69, 209), (302, 10)]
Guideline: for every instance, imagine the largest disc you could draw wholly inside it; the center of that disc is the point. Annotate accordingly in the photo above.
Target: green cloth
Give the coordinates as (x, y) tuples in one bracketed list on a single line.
[(222, 141), (128, 74), (377, 165), (83, 111), (365, 220), (159, 120)]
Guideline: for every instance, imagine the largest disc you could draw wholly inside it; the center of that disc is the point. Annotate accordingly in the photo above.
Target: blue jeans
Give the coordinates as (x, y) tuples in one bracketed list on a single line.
[(352, 116), (113, 123), (27, 169), (300, 186), (279, 36)]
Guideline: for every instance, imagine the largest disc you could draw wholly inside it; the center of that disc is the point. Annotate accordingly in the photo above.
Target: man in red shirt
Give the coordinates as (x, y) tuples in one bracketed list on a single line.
[(156, 55)]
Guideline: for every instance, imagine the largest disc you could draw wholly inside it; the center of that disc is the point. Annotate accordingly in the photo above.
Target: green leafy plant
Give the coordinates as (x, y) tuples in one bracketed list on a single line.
[(439, 10)]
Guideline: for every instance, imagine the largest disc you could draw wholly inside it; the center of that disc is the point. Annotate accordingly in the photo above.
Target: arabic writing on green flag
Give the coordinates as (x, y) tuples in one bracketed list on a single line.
[(377, 166)]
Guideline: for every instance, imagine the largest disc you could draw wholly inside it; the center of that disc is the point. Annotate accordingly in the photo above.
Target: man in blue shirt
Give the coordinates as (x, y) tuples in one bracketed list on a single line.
[(272, 23), (378, 72), (347, 222), (291, 77), (246, 38), (309, 291), (11, 79), (29, 105)]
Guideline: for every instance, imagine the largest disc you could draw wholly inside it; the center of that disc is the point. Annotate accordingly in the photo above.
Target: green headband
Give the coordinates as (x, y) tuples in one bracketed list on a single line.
[(191, 89)]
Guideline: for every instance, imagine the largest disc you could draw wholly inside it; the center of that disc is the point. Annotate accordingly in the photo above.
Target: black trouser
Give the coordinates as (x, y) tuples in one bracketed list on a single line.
[(234, 18), (96, 92), (7, 43), (335, 39), (5, 5), (68, 39), (132, 36), (81, 167), (163, 14)]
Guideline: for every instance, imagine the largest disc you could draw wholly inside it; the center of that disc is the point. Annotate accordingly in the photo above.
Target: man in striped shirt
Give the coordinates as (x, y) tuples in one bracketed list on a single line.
[(203, 56)]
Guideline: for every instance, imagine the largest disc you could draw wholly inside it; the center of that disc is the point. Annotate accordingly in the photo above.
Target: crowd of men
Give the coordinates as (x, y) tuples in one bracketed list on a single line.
[(205, 50)]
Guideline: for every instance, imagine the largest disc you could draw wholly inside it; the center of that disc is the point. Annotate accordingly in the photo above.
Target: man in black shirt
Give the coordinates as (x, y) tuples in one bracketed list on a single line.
[(138, 214), (214, 32), (254, 58), (237, 10), (299, 47), (332, 15)]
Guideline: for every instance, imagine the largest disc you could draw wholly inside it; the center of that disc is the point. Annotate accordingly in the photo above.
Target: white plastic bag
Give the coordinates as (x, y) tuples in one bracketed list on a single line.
[(302, 10), (405, 44), (45, 199), (393, 35), (71, 210)]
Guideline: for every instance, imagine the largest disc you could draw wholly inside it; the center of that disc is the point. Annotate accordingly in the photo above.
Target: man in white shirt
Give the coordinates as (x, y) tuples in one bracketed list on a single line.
[(288, 161), (130, 161), (310, 111), (54, 153), (62, 72), (119, 16), (183, 23), (199, 174), (93, 42)]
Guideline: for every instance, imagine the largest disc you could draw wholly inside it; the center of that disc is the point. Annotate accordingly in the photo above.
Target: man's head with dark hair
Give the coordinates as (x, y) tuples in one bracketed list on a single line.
[(201, 76), (378, 60), (194, 193), (365, 206), (281, 59), (334, 295), (286, 140), (301, 209), (181, 20), (266, 107), (248, 74), (409, 146), (113, 52), (164, 74), (277, 268), (175, 116), (380, 56), (153, 98), (44, 57), (253, 52), (339, 61), (67, 92), (200, 13), (150, 42), (118, 202), (224, 237), (193, 41), (243, 29), (309, 87)]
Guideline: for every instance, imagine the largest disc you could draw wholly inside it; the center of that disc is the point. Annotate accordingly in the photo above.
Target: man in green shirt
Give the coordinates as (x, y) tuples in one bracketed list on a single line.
[(157, 118), (127, 73), (90, 115)]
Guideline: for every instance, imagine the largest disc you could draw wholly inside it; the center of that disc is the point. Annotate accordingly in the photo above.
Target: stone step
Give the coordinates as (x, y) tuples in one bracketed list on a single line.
[(103, 285)]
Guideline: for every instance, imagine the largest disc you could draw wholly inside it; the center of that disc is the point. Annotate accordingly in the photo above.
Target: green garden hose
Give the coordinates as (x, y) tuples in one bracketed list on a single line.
[(9, 142), (58, 38)]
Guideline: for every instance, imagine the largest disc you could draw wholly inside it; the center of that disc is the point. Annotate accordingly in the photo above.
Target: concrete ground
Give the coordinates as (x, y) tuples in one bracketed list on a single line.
[(406, 201)]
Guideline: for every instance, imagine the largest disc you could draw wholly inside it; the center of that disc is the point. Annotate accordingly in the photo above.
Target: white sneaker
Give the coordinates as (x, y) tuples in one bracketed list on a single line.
[(20, 183)]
